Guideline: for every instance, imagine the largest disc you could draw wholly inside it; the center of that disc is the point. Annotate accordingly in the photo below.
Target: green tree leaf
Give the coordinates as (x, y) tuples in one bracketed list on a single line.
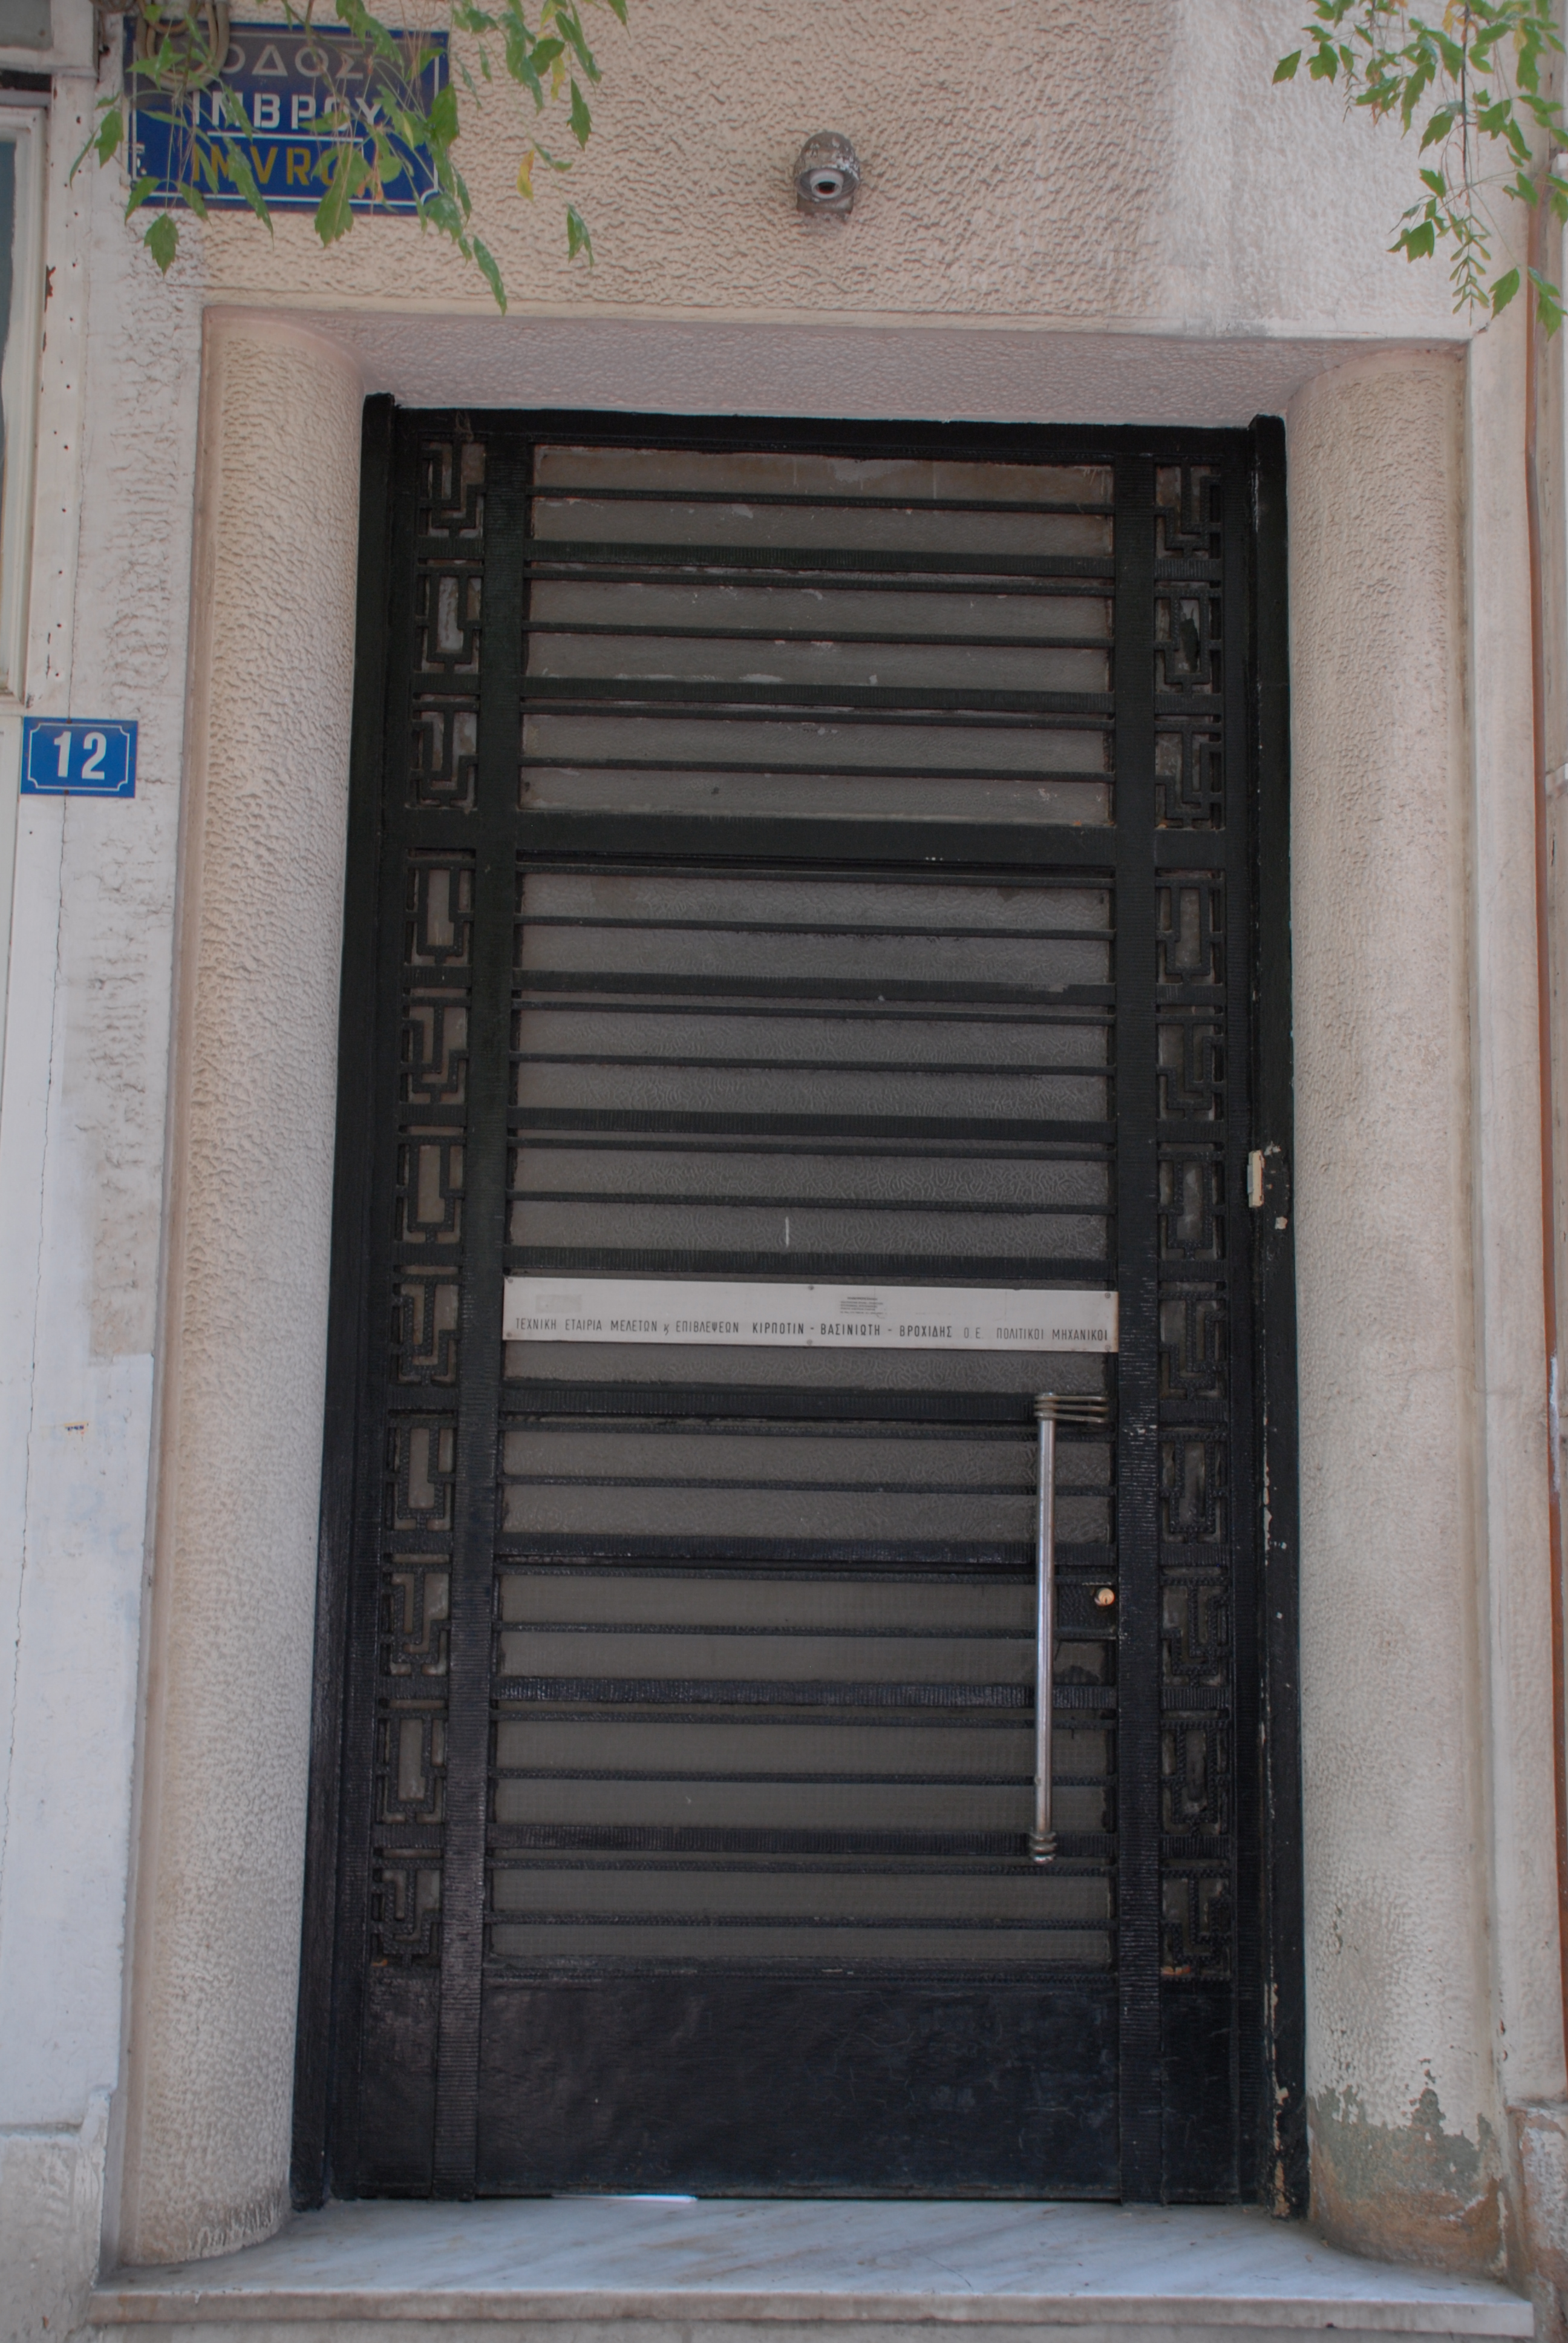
[(163, 241), (1284, 70), (580, 118), (1548, 303), (1503, 291), (492, 274)]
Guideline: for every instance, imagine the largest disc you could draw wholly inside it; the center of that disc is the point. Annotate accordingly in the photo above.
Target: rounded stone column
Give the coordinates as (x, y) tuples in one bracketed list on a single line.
[(216, 1955), (1402, 2090)]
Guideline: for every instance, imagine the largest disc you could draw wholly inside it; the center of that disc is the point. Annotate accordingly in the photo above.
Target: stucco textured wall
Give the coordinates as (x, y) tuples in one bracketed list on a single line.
[(212, 2021), (1405, 2120), (1121, 163)]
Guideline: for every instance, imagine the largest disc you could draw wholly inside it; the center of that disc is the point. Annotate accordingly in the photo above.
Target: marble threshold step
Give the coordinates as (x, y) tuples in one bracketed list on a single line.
[(638, 2269)]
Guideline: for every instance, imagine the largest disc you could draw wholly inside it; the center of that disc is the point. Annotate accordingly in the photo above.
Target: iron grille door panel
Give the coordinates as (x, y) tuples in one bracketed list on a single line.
[(806, 864)]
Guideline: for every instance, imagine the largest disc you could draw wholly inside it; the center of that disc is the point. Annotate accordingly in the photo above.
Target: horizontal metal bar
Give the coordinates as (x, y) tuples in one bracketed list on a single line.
[(824, 1006), (823, 768), (698, 699), (721, 1199), (503, 1972), (788, 1692), (763, 1402), (548, 493), (541, 555), (606, 1118), (718, 1148), (831, 844), (815, 637), (923, 1068), (904, 1554), (676, 1839), (574, 987), (818, 1268)]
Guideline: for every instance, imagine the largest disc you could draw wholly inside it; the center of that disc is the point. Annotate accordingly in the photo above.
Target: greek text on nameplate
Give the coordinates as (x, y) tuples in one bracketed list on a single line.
[(808, 1317)]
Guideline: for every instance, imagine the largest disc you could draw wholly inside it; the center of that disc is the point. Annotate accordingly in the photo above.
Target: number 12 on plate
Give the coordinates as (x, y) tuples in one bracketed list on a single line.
[(78, 756)]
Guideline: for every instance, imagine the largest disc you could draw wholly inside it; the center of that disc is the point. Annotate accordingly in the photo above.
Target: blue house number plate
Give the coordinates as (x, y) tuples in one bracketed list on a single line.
[(78, 757)]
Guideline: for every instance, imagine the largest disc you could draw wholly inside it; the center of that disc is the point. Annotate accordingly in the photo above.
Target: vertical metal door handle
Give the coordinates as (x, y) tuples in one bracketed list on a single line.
[(1050, 1409), (1042, 1837)]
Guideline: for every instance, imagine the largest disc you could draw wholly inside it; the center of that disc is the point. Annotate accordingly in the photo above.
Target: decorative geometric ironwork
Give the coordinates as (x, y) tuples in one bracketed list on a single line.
[(421, 1467), (406, 1912), (1197, 1657), (1195, 1776), (430, 1189), (424, 1329), (1193, 1321), (1189, 513), (411, 1765), (1190, 929), (1188, 778), (448, 622), (415, 1610), (435, 1050), (1187, 662), (1195, 1630), (1196, 1925), (451, 489), (442, 752), (1192, 1205), (1192, 1487), (1191, 1069), (439, 928)]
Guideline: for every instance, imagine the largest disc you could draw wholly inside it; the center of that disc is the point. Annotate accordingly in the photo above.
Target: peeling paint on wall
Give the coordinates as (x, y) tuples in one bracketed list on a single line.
[(1411, 2192)]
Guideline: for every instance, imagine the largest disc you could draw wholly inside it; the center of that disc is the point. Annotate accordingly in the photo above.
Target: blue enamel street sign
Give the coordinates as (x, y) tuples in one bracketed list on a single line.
[(301, 93), (78, 757)]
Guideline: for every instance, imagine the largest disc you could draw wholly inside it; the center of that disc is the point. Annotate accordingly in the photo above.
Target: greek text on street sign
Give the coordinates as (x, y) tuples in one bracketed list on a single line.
[(301, 95)]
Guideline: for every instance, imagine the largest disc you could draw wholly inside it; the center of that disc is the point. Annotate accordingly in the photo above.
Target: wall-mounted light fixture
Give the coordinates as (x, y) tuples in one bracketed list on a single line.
[(827, 176)]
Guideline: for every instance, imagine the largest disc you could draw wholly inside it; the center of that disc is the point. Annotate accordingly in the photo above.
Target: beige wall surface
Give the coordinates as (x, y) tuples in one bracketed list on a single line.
[(1113, 164)]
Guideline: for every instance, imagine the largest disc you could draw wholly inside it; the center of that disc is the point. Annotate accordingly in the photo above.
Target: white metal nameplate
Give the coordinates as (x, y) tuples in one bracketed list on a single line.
[(796, 1317)]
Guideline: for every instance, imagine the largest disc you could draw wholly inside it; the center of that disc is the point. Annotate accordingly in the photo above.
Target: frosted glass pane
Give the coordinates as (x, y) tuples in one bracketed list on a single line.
[(1033, 745), (1011, 1096), (1031, 1896), (592, 1227), (791, 1806), (565, 1029), (790, 1749), (757, 1657), (856, 1370), (870, 528), (789, 472), (910, 907), (790, 1455), (645, 1597), (909, 666), (839, 1948), (813, 796), (977, 1184), (826, 609)]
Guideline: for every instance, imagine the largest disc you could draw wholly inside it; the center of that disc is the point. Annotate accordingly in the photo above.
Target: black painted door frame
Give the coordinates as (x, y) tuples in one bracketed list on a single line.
[(1161, 2024)]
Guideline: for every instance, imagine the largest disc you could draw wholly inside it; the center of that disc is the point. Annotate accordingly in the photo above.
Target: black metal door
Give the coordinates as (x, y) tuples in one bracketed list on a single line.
[(821, 856)]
